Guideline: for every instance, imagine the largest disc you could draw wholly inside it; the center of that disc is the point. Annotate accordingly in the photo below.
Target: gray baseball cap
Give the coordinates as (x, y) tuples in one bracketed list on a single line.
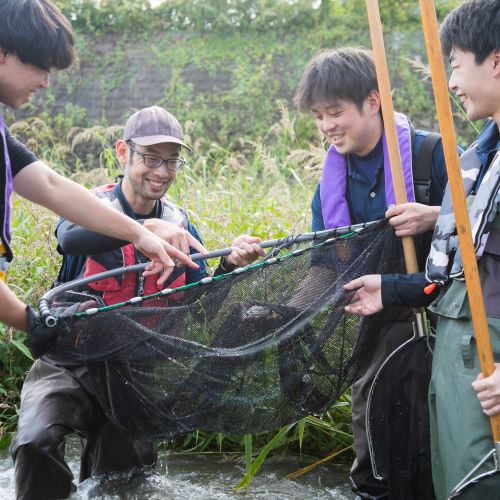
[(153, 125)]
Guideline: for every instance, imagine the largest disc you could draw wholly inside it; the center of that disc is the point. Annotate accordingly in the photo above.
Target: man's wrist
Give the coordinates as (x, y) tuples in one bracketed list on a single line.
[(387, 290), (226, 266), (407, 290), (136, 231), (433, 217), (18, 318)]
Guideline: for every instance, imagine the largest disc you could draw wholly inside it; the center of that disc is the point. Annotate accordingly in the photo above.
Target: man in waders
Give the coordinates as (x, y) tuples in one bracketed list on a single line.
[(460, 400), (35, 38), (58, 398), (340, 88)]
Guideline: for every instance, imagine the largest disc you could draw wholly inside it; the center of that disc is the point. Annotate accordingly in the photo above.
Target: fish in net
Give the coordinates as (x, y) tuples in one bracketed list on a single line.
[(241, 353)]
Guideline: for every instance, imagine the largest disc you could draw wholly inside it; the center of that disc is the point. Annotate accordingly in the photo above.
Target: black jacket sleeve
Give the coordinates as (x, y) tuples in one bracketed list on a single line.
[(76, 240), (406, 290)]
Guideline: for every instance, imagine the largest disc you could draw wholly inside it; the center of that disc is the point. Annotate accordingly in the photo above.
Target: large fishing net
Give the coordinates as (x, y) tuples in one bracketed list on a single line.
[(240, 353)]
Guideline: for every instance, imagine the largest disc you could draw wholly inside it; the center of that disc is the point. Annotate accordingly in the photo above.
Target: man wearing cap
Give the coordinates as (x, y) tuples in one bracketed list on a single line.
[(57, 398), (150, 154)]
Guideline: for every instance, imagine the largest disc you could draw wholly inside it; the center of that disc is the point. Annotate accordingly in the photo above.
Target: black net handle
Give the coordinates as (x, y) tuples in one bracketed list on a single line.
[(51, 320)]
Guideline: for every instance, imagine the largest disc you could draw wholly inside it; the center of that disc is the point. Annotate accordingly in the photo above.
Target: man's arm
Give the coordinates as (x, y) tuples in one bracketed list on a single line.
[(373, 292), (317, 223), (77, 240), (12, 310), (38, 183)]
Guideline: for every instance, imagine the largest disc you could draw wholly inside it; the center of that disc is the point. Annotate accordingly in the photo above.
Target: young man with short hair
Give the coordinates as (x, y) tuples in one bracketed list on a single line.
[(460, 399), (150, 153), (34, 39), (340, 88)]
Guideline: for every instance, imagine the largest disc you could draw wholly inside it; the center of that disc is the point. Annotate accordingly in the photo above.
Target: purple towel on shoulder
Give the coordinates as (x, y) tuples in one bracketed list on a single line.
[(334, 178)]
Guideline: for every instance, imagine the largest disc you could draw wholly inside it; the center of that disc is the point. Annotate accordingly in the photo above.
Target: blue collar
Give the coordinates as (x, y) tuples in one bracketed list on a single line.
[(488, 138), (488, 142), (353, 160), (127, 209)]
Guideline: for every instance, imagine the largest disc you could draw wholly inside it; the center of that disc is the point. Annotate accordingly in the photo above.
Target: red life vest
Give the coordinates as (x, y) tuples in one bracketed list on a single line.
[(123, 287)]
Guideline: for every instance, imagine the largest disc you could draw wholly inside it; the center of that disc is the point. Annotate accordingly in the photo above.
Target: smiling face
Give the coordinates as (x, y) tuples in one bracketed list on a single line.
[(19, 81), (476, 85), (349, 129), (142, 186)]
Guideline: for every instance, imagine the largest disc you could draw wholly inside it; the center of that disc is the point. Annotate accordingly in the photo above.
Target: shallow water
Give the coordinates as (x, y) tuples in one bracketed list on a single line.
[(201, 477)]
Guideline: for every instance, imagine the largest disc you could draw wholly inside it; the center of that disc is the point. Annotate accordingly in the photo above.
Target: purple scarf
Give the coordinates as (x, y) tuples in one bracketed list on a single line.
[(7, 188), (334, 178)]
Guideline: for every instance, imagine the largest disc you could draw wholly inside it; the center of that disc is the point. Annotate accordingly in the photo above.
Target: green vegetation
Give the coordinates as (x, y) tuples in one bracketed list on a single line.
[(256, 162), (221, 65)]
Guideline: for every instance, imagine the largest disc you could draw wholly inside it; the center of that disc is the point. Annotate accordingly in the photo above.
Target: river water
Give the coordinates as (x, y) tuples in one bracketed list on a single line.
[(201, 477)]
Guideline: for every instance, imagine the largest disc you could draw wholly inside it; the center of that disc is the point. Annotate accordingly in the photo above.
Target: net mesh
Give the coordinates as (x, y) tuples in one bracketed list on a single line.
[(398, 421), (244, 353)]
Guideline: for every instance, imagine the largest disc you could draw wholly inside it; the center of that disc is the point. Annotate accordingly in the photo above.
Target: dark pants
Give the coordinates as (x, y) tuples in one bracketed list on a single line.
[(57, 401), (361, 479)]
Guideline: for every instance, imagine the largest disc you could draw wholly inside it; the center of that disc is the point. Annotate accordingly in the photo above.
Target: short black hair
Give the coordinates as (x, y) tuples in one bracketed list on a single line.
[(347, 73), (37, 33), (473, 27)]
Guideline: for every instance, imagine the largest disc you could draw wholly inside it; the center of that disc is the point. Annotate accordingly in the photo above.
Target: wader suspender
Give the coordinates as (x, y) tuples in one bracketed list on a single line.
[(422, 165)]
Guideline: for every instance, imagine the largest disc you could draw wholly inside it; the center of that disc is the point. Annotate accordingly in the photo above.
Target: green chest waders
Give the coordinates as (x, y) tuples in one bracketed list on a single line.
[(465, 465)]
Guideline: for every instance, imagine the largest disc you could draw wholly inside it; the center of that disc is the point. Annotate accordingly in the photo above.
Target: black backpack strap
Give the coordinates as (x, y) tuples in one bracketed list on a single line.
[(422, 166)]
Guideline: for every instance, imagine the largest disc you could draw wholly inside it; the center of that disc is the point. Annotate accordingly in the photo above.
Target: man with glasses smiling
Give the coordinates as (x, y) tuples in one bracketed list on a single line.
[(58, 398), (150, 154)]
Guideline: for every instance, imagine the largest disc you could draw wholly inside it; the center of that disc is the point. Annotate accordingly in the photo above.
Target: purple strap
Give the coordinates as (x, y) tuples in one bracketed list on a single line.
[(334, 178), (8, 186)]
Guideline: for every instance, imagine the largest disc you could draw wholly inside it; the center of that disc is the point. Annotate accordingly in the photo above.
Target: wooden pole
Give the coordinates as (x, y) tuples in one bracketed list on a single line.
[(384, 86), (445, 118)]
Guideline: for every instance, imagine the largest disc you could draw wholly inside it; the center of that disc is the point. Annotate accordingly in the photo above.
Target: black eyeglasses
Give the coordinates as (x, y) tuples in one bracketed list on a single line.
[(153, 161)]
